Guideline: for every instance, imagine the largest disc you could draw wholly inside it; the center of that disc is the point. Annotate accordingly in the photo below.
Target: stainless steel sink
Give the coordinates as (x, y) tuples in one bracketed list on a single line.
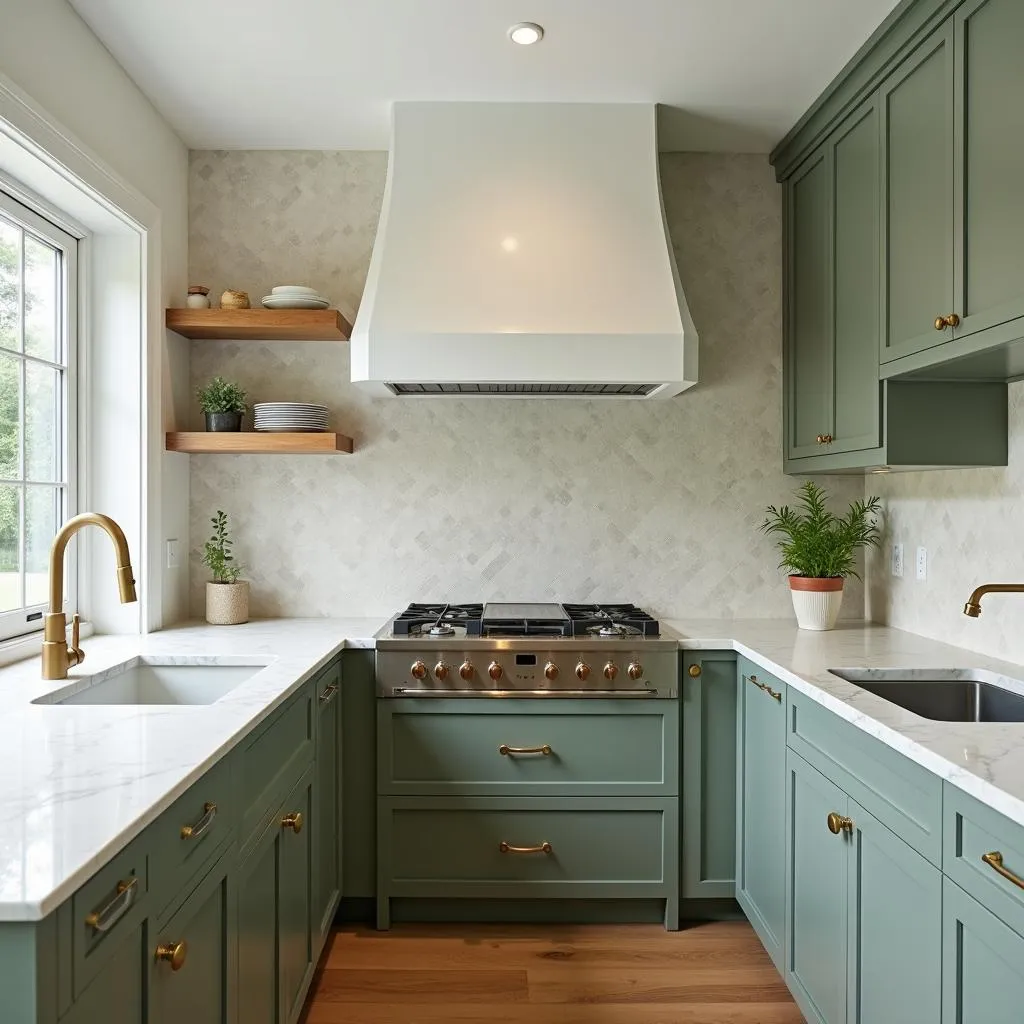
[(945, 694)]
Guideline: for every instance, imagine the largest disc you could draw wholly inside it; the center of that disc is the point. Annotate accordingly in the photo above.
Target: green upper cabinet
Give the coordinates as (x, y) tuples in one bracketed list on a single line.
[(917, 198)]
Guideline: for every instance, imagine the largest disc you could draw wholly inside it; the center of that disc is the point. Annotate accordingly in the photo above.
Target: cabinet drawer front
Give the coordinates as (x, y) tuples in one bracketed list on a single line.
[(109, 906), (970, 832), (902, 795), (608, 847), (272, 761), (191, 831), (533, 747)]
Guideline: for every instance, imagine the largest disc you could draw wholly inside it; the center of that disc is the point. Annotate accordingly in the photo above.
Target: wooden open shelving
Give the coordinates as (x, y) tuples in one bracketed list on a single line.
[(247, 442), (259, 324)]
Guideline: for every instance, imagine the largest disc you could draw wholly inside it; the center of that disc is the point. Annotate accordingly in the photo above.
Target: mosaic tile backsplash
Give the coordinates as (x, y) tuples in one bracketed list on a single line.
[(652, 502)]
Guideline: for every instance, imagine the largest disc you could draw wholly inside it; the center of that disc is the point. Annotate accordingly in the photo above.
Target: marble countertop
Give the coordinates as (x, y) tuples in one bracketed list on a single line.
[(78, 782)]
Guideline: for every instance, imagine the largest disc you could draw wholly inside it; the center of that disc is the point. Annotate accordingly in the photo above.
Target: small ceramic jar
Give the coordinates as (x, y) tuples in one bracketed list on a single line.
[(232, 299), (198, 297)]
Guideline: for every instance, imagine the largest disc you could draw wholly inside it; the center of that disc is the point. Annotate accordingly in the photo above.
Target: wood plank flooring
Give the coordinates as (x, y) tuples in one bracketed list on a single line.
[(714, 973)]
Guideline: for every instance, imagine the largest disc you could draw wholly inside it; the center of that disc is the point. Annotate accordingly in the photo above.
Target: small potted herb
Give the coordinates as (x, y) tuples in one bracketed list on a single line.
[(223, 403), (227, 597), (819, 549)]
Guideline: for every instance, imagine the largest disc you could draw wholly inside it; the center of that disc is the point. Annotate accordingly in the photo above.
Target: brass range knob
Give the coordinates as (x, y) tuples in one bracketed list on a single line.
[(582, 671), (418, 670), (466, 670), (942, 322), (551, 671), (839, 823), (636, 670), (293, 821), (442, 671), (173, 953), (611, 670), (495, 671)]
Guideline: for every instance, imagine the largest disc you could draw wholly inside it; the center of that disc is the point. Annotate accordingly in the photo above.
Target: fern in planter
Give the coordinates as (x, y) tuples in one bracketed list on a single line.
[(817, 544)]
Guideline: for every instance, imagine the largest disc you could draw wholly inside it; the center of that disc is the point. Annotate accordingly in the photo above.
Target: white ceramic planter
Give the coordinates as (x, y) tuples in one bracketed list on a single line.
[(227, 604), (816, 601)]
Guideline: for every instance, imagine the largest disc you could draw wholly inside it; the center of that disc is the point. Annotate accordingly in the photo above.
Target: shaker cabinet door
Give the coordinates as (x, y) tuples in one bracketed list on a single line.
[(327, 823), (295, 899)]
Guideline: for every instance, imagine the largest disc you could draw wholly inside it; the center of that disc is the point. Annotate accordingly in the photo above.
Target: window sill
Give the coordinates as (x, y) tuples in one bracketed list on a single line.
[(20, 648)]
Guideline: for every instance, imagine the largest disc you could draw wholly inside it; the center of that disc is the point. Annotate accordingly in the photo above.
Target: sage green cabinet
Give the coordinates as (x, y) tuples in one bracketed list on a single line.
[(256, 931), (708, 848), (982, 963), (760, 803), (327, 796), (117, 994), (295, 924)]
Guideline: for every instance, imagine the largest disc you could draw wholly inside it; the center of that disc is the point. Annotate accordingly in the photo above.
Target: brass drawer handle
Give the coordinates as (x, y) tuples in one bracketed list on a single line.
[(839, 823), (326, 696), (942, 322), (105, 918), (173, 953), (196, 830), (505, 750), (695, 671), (293, 821), (825, 439), (506, 848), (995, 861), (774, 694)]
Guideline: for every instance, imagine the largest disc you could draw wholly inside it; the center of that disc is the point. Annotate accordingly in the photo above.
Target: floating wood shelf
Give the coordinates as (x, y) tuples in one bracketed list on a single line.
[(259, 324), (248, 442)]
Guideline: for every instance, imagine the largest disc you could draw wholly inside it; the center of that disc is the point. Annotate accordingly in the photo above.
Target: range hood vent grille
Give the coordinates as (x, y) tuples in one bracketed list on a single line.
[(604, 390)]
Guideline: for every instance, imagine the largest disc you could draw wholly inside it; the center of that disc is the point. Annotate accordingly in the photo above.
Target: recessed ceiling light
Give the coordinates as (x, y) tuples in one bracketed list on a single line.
[(526, 33)]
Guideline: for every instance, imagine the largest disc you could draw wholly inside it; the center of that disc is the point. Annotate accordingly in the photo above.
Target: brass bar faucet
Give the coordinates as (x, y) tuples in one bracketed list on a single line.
[(57, 656), (973, 606)]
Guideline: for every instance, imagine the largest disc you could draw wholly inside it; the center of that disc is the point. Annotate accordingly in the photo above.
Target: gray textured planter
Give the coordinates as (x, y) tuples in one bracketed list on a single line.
[(223, 421), (227, 604)]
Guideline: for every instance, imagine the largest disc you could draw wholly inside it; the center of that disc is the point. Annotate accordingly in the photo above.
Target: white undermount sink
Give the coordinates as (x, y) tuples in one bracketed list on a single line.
[(157, 681)]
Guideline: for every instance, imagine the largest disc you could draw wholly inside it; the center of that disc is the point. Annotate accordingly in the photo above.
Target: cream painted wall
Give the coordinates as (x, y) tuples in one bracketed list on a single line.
[(53, 57), (656, 502), (972, 523)]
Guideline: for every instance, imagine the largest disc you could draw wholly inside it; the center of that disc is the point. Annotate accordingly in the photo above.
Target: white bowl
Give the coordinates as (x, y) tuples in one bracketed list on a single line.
[(293, 289)]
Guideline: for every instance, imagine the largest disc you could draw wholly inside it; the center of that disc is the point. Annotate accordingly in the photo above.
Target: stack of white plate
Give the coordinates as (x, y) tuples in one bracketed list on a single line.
[(293, 296), (281, 417)]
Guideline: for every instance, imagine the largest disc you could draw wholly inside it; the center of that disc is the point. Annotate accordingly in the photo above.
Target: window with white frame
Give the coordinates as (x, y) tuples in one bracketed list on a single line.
[(37, 406)]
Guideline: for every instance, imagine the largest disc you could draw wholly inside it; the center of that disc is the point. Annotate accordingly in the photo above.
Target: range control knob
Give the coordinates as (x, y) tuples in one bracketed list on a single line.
[(466, 670), (418, 670), (611, 670), (551, 671), (441, 670), (583, 671), (635, 670), (494, 670)]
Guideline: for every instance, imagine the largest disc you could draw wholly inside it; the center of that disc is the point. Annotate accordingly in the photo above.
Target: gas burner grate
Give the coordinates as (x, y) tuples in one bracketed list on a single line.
[(610, 621), (439, 620)]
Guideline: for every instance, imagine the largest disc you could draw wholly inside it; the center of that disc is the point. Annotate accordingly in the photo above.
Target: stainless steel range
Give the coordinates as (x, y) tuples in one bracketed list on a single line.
[(526, 650)]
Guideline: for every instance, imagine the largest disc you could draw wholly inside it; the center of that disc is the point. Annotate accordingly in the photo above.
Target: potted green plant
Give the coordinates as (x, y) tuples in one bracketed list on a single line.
[(819, 550), (227, 597), (223, 404)]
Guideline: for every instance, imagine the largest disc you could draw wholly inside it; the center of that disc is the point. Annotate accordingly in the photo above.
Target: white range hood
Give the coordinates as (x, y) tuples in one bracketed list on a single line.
[(522, 250)]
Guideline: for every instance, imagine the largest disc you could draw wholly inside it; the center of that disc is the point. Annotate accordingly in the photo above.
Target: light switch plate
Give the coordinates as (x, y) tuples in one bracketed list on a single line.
[(897, 560), (922, 563)]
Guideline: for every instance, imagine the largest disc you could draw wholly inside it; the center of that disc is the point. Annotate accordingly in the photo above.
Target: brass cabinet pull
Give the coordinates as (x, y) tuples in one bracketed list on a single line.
[(505, 750), (825, 439), (506, 848), (774, 694), (695, 671), (942, 322), (326, 696), (995, 861), (196, 830), (105, 918), (839, 823), (173, 953), (293, 821)]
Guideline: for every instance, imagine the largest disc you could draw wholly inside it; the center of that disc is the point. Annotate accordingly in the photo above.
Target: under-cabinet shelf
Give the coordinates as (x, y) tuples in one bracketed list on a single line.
[(248, 442), (259, 324)]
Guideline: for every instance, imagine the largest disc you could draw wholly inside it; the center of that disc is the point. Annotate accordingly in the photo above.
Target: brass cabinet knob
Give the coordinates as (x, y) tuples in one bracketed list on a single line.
[(466, 670), (495, 671), (839, 823), (942, 322), (583, 671), (441, 670), (551, 671), (418, 670), (293, 821), (611, 670), (695, 671), (636, 670), (825, 439), (173, 953)]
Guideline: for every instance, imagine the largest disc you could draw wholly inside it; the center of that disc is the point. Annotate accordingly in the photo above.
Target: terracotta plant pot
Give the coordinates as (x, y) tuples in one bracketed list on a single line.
[(816, 601), (227, 604)]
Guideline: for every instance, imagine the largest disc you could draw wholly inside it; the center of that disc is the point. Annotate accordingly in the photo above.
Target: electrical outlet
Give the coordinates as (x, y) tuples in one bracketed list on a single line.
[(897, 559), (173, 560), (922, 563)]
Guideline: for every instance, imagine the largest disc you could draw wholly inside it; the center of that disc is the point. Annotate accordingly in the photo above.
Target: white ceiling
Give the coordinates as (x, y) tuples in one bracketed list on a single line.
[(320, 74)]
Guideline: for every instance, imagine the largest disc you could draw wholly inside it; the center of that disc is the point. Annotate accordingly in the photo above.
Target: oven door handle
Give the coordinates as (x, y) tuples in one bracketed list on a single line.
[(408, 691)]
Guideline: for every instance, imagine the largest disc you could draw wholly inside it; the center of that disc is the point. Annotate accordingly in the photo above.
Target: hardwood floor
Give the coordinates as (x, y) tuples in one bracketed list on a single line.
[(715, 973)]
